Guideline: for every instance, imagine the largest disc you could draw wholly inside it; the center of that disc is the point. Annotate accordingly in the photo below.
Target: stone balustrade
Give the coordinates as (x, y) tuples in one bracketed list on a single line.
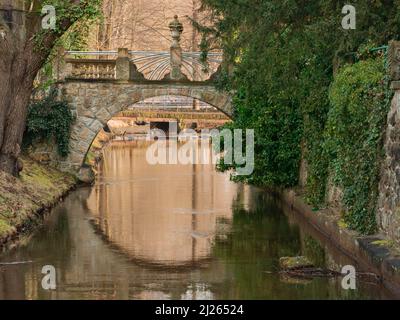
[(91, 69), (160, 66)]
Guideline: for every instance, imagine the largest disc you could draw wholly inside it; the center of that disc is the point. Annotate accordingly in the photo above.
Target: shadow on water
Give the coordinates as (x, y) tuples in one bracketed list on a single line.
[(172, 232)]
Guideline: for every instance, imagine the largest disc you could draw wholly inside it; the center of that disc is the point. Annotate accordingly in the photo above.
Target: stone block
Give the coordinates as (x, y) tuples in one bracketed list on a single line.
[(96, 126), (123, 99), (197, 94), (394, 60), (85, 121), (87, 113), (136, 96), (114, 109), (147, 93), (83, 147), (103, 116), (87, 135), (76, 158)]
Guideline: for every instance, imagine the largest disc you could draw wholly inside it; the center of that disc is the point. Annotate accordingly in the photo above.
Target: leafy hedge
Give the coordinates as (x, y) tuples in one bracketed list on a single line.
[(48, 119), (275, 118)]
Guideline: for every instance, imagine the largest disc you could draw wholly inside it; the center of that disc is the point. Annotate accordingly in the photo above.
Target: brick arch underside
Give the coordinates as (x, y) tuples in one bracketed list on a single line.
[(95, 104)]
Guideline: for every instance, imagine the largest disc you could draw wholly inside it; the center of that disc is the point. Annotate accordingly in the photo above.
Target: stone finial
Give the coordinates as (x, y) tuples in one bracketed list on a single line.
[(176, 28)]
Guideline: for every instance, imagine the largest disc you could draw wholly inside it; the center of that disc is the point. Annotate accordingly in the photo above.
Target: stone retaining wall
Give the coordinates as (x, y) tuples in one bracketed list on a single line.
[(388, 211)]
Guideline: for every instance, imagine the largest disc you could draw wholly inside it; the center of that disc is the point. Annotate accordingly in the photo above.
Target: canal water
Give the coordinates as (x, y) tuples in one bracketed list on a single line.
[(171, 232)]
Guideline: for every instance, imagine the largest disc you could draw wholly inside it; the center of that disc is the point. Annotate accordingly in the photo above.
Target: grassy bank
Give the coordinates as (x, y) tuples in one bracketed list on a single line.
[(22, 199)]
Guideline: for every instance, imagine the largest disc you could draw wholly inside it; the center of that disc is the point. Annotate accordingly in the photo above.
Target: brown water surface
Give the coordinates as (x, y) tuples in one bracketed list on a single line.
[(171, 232)]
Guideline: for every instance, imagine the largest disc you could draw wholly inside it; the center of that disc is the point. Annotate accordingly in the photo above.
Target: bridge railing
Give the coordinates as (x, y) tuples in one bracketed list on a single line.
[(91, 69), (143, 65), (154, 65)]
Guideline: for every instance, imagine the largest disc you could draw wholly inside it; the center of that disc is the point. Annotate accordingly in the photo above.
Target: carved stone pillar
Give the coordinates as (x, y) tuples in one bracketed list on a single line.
[(176, 28), (123, 65)]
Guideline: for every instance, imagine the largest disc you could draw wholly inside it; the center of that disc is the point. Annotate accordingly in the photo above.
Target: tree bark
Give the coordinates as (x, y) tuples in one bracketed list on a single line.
[(17, 75), (15, 118), (20, 61)]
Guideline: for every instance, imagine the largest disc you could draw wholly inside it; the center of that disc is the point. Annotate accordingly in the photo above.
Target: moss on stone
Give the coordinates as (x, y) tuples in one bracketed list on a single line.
[(342, 224), (287, 263), (5, 228), (384, 243)]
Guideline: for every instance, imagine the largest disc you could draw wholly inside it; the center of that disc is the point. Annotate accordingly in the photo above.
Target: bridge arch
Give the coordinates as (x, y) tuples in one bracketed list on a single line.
[(95, 102)]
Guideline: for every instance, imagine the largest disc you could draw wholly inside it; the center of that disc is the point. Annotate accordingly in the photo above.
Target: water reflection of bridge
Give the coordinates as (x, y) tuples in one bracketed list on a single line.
[(170, 217)]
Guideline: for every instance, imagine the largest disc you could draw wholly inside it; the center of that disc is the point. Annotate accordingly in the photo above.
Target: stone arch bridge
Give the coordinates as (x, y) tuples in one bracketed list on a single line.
[(98, 89)]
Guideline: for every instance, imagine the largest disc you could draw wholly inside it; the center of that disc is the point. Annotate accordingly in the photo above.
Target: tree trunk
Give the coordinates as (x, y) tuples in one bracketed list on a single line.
[(20, 61), (17, 73), (5, 97), (17, 100)]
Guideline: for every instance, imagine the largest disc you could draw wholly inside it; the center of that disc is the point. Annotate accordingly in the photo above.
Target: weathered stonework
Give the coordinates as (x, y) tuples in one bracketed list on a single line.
[(96, 102), (388, 207), (123, 71), (394, 60), (389, 187)]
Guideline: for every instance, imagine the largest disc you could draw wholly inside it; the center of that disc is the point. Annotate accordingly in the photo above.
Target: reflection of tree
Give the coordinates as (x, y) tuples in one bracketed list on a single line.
[(314, 251), (52, 243), (54, 239), (258, 238)]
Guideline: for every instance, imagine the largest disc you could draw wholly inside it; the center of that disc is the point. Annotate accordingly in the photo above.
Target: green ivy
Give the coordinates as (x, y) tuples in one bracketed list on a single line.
[(49, 119), (353, 138)]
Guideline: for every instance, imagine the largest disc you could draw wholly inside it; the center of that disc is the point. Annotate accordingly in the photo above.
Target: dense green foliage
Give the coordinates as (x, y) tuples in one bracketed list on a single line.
[(75, 38), (353, 138), (68, 13), (281, 58), (49, 119)]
